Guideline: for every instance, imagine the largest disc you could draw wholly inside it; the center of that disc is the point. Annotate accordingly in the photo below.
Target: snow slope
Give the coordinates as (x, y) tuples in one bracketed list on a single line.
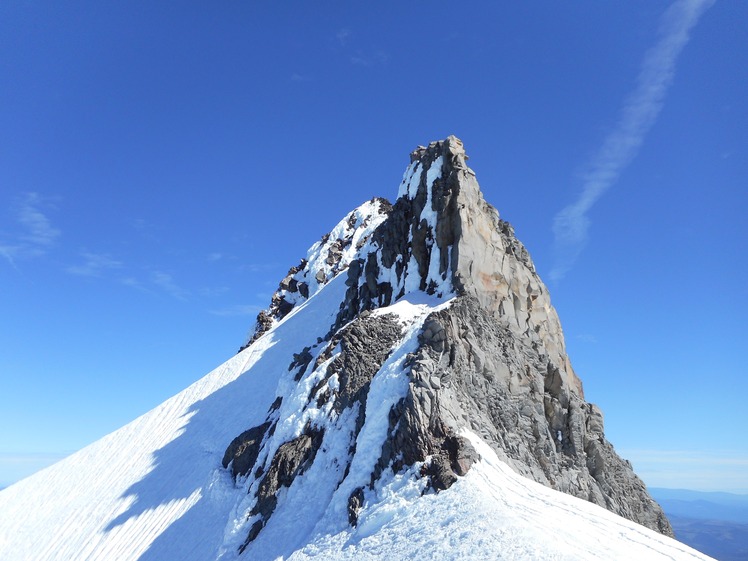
[(156, 489), (491, 513)]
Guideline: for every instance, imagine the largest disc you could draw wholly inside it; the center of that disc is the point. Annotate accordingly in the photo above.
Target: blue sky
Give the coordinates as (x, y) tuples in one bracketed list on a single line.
[(162, 165)]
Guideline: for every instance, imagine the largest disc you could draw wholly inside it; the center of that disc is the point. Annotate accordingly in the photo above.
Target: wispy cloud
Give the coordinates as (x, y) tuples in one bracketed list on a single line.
[(34, 234), (132, 282), (347, 44), (213, 291), (238, 310), (639, 112), (586, 338), (94, 265), (166, 283), (361, 58), (342, 36), (39, 229)]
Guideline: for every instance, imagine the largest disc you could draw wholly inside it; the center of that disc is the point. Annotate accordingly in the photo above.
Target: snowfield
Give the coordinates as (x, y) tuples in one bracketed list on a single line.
[(156, 490)]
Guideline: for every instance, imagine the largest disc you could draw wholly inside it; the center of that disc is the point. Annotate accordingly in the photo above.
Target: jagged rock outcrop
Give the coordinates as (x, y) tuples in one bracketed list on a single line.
[(492, 361), (328, 257)]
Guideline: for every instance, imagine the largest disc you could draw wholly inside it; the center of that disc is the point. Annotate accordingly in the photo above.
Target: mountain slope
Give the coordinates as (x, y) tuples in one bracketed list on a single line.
[(407, 370)]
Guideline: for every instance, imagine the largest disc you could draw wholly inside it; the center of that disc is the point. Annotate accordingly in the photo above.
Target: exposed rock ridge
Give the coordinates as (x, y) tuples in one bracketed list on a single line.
[(492, 362), (324, 260), (473, 371), (333, 384), (442, 237)]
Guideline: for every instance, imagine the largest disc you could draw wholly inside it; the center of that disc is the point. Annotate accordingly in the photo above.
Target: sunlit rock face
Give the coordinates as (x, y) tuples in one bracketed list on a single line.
[(486, 356)]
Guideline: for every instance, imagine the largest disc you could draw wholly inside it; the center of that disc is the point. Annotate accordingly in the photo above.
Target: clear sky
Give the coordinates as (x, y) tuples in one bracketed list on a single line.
[(163, 164)]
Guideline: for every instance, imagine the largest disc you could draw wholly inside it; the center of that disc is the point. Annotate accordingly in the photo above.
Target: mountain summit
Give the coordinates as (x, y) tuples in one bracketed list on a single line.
[(407, 393), (492, 361)]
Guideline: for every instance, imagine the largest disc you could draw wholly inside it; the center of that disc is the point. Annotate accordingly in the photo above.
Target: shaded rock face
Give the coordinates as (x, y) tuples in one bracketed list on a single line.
[(346, 362), (510, 392), (492, 362)]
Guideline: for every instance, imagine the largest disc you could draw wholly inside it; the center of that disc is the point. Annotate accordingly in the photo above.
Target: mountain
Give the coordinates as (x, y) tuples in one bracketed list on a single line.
[(715, 523), (703, 505), (406, 393)]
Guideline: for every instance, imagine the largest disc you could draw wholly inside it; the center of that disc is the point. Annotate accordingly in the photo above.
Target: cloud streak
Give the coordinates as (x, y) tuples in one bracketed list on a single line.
[(639, 112), (238, 310), (166, 283), (94, 265), (36, 234)]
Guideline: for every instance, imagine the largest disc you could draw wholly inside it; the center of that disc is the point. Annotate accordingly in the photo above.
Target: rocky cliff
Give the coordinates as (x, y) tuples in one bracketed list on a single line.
[(490, 359)]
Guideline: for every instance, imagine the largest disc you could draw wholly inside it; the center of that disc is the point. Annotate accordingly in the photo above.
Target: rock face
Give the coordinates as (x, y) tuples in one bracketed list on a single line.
[(491, 361)]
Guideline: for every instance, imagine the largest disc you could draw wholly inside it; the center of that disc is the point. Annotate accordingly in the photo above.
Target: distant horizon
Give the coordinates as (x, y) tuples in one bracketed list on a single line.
[(736, 493)]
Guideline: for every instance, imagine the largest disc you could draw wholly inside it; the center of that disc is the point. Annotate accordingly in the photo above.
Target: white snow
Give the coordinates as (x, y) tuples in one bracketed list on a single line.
[(434, 173), (157, 483), (155, 490), (411, 179), (492, 513), (352, 232)]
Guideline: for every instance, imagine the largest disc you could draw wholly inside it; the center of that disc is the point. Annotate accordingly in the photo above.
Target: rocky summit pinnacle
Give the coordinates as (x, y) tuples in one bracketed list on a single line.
[(489, 357)]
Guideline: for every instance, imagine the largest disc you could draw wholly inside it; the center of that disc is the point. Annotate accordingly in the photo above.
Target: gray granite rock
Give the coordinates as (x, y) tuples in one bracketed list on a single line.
[(494, 361)]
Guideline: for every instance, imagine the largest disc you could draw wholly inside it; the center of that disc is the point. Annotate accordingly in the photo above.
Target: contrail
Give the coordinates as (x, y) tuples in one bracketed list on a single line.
[(638, 114)]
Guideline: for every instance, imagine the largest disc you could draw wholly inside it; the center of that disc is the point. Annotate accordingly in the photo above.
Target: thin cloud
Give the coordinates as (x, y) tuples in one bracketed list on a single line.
[(212, 292), (94, 265), (237, 310), (258, 267), (586, 338), (132, 282), (38, 228), (357, 56), (571, 225), (166, 283), (342, 36), (35, 234), (369, 59)]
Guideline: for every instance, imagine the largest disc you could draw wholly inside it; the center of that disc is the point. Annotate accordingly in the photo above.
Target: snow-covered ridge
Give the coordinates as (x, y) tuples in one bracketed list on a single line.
[(403, 376), (156, 490), (405, 275), (335, 251), (358, 240), (324, 260), (350, 436), (492, 513)]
